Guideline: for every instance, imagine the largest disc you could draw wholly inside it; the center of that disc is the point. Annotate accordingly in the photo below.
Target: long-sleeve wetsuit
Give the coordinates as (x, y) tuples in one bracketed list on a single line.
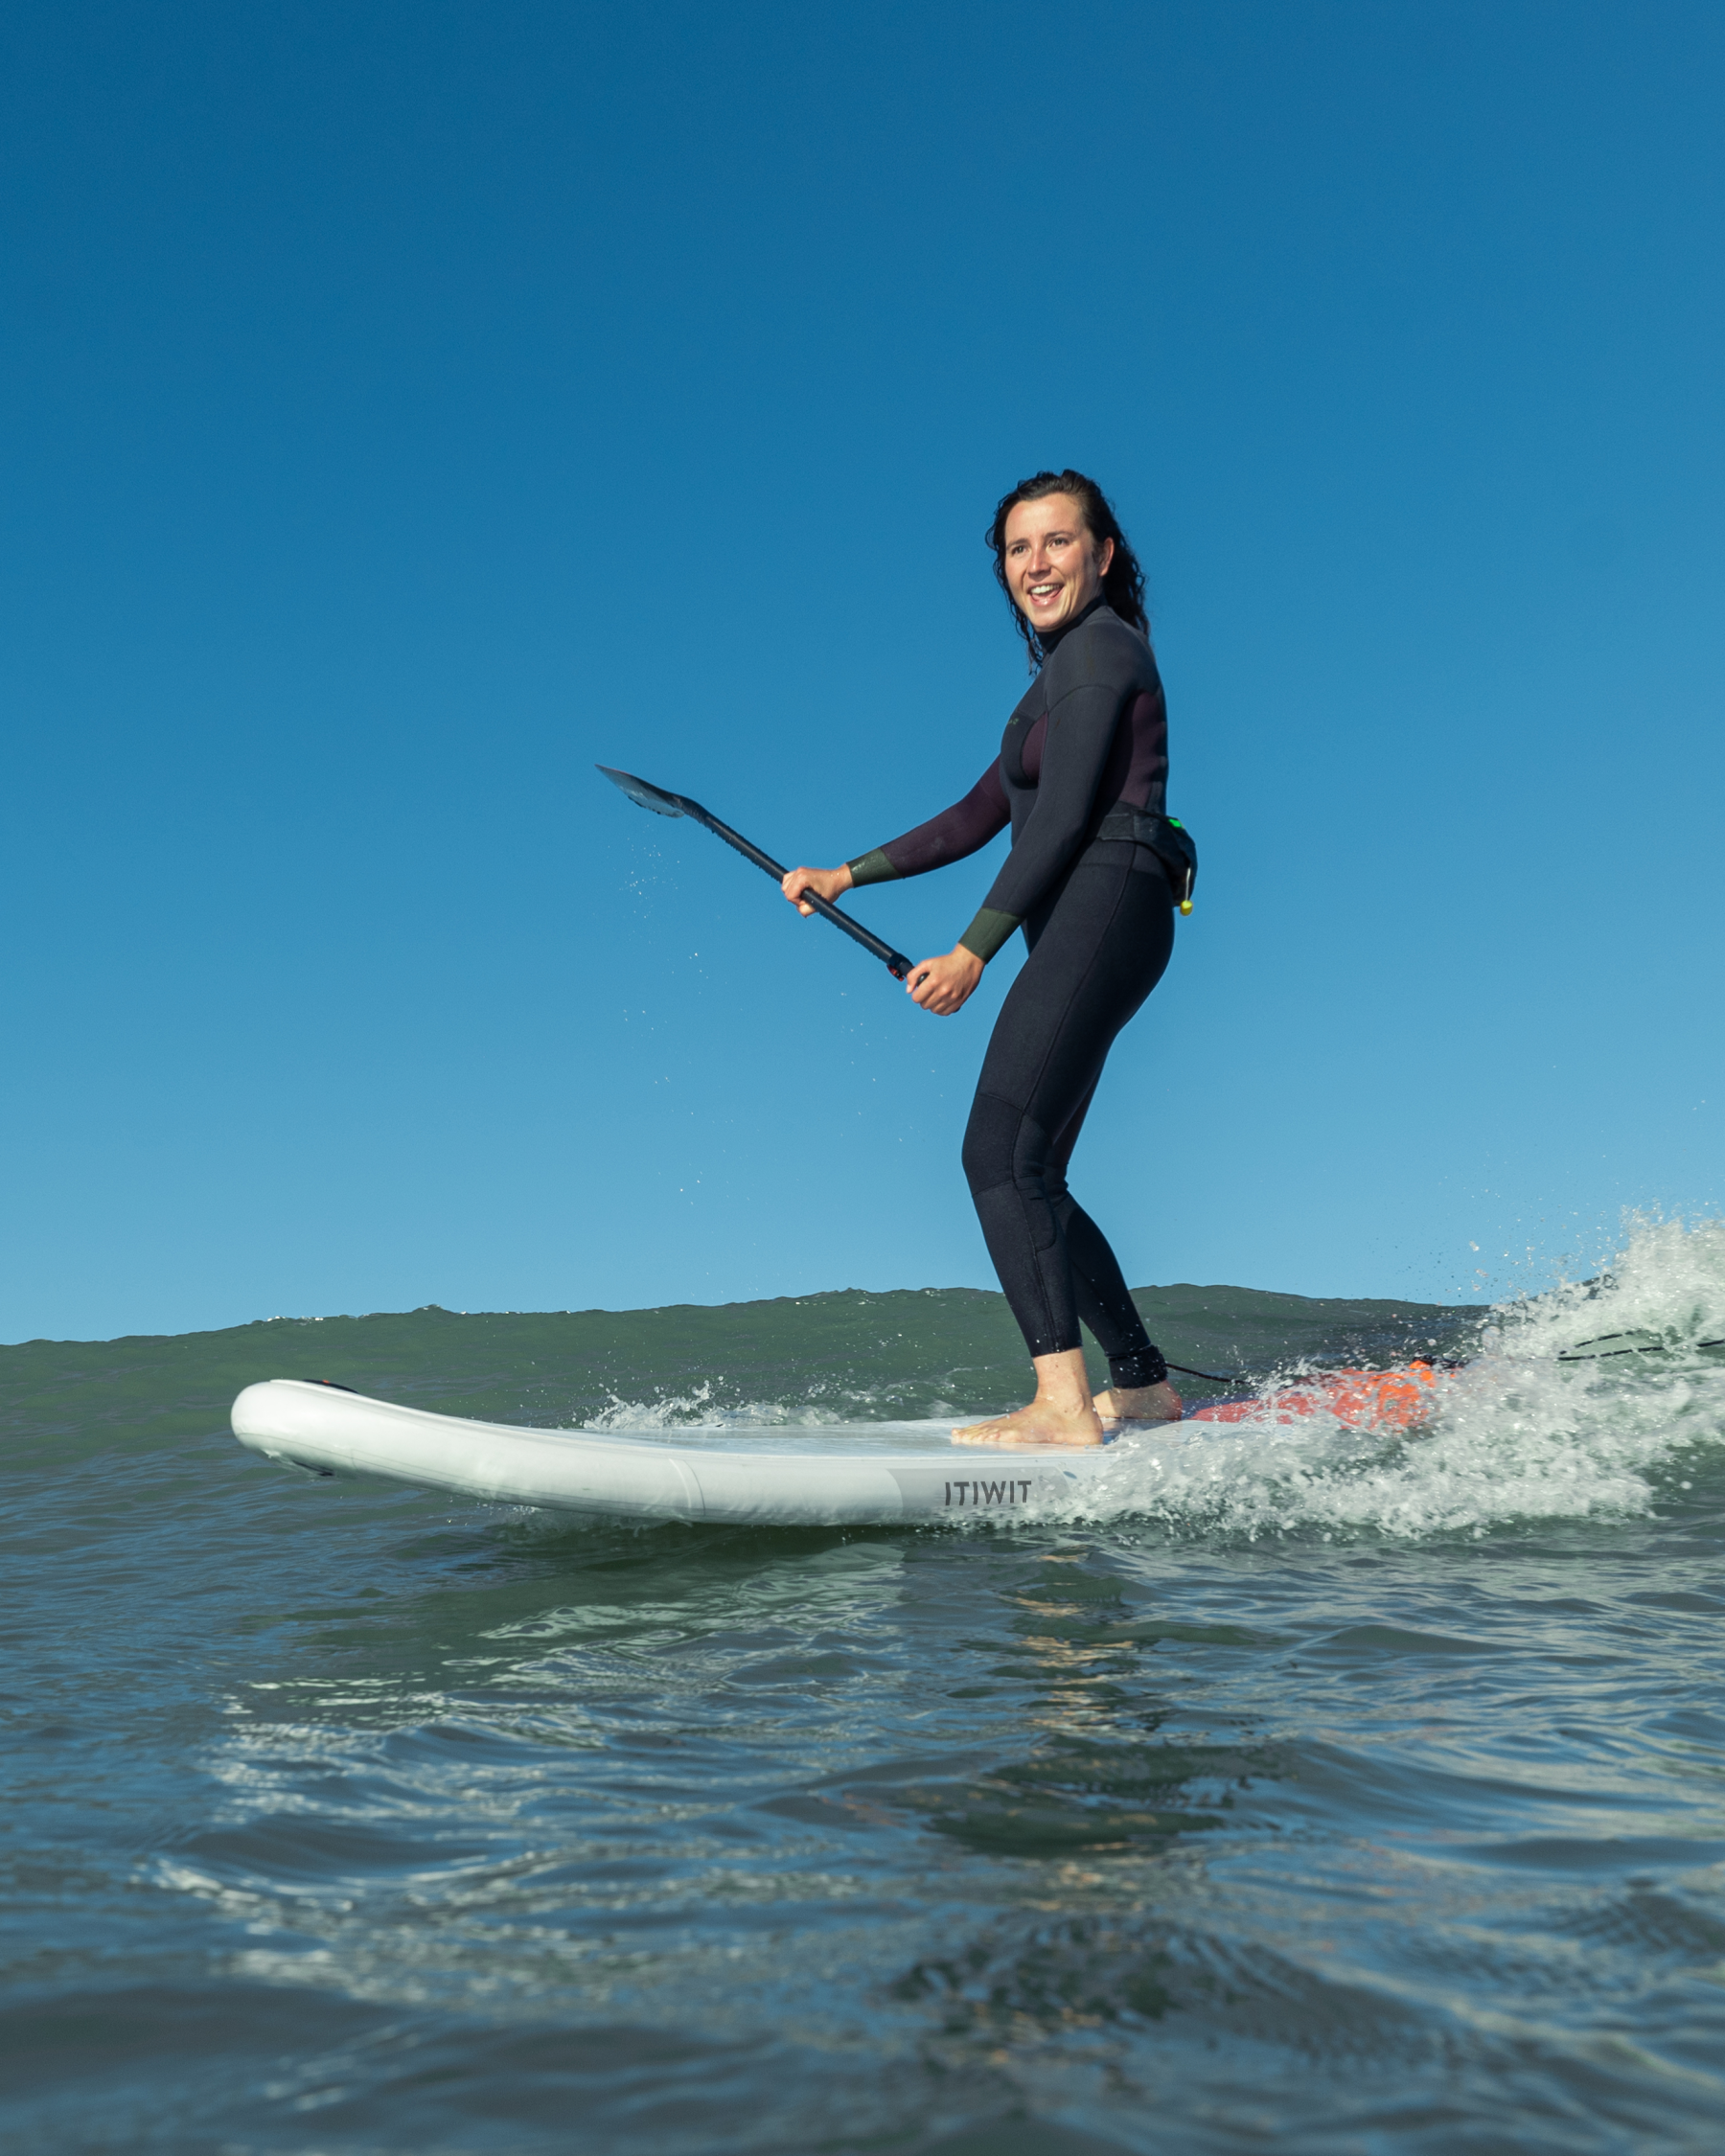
[(1089, 735)]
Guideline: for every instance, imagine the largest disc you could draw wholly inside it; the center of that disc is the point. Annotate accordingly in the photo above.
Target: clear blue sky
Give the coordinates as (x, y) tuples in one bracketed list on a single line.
[(407, 406)]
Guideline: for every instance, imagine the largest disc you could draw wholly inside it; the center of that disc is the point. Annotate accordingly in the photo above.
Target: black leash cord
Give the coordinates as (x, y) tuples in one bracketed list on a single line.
[(1244, 1377)]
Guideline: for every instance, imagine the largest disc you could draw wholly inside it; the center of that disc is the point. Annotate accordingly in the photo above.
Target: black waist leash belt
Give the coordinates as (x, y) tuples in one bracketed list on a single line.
[(1167, 838)]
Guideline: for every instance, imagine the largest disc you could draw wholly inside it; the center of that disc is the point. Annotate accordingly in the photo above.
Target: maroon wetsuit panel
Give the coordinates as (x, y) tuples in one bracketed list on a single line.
[(955, 831)]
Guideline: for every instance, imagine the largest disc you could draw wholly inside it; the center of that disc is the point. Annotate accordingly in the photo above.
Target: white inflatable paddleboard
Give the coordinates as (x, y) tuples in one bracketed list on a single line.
[(846, 1474)]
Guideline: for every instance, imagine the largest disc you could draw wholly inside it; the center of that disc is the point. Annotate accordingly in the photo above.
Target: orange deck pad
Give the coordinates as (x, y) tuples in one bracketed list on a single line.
[(1367, 1399)]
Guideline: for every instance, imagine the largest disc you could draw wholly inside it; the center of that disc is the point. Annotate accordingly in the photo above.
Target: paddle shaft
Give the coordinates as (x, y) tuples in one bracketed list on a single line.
[(654, 798), (895, 961)]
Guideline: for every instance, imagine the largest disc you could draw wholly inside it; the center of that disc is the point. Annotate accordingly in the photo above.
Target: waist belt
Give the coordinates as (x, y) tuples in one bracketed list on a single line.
[(1170, 842)]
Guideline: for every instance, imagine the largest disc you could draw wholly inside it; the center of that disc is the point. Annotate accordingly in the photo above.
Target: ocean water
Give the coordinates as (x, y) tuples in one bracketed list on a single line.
[(1316, 1790)]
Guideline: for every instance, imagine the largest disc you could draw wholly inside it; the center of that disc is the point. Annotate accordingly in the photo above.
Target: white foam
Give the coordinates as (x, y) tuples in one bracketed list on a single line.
[(696, 1410), (1517, 1434)]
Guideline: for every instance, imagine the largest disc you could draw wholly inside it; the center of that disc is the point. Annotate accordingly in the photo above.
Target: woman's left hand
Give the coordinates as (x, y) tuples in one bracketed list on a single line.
[(943, 985)]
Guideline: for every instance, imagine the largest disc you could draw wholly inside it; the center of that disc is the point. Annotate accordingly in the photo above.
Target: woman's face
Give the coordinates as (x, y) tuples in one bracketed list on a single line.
[(1054, 567)]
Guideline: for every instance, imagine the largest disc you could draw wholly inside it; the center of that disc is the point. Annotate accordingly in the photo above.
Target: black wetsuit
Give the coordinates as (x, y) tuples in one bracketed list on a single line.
[(1089, 737)]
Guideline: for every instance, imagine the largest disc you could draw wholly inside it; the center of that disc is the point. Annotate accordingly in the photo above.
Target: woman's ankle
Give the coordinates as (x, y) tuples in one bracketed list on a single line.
[(1063, 1383)]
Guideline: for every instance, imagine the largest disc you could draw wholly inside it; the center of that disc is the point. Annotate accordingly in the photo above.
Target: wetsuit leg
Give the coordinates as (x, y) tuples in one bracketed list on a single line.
[(1100, 951), (1099, 1287)]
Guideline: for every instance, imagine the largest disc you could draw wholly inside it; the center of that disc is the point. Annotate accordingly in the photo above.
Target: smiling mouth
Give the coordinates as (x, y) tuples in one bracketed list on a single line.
[(1043, 590)]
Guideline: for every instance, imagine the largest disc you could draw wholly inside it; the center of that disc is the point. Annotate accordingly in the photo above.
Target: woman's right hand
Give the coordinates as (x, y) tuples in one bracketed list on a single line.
[(825, 882)]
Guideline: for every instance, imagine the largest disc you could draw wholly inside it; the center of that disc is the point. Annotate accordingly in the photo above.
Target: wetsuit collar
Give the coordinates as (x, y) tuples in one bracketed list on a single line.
[(1058, 636)]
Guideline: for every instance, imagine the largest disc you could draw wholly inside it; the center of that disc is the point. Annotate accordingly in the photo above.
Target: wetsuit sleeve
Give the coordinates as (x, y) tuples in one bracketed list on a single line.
[(948, 837), (1081, 731)]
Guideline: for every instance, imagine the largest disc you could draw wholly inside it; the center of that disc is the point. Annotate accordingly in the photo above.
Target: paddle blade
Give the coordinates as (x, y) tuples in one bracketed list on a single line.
[(643, 795)]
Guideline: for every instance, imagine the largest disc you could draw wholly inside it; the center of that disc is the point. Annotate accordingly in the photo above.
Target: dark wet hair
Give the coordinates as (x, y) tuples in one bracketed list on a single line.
[(1123, 587)]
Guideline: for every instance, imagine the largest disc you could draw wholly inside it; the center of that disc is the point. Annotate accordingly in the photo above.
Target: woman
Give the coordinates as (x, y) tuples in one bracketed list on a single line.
[(1081, 777)]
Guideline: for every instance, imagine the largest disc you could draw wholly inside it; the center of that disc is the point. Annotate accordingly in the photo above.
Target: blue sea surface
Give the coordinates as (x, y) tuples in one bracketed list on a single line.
[(1328, 1795)]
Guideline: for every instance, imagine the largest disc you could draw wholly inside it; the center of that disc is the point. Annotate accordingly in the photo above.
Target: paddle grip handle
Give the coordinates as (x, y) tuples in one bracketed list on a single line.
[(895, 961)]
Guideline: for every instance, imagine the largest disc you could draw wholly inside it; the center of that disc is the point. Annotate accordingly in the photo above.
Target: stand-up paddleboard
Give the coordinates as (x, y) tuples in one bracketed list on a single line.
[(839, 1474)]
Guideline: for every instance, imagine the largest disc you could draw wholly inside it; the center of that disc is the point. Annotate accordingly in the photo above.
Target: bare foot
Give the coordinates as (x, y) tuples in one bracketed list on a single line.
[(1141, 1402), (1041, 1422)]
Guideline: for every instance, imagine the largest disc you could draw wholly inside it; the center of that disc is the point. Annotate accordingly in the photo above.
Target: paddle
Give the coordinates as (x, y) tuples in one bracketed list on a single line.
[(1599, 1350), (645, 796)]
